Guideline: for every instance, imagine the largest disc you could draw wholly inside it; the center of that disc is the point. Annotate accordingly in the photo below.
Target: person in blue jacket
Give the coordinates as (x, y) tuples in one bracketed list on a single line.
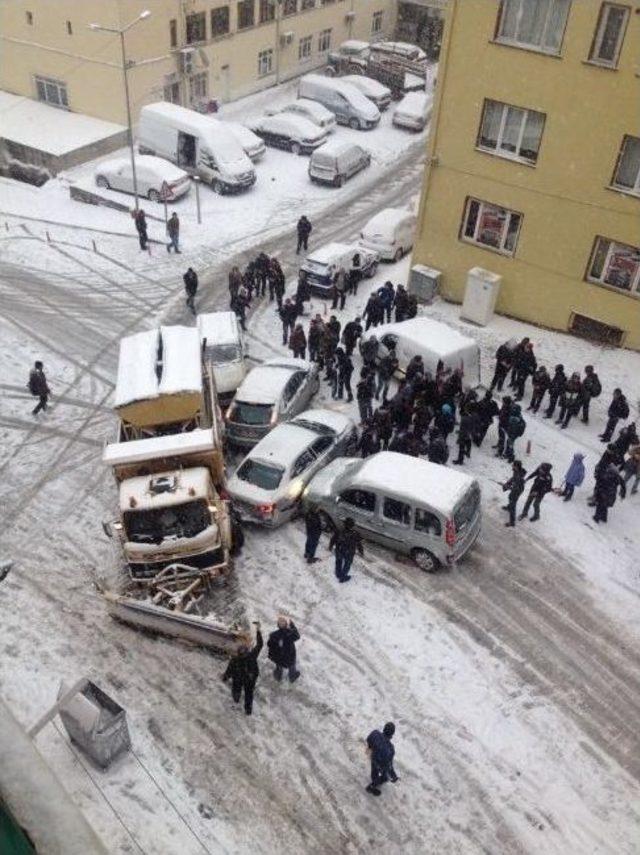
[(574, 476), (381, 751)]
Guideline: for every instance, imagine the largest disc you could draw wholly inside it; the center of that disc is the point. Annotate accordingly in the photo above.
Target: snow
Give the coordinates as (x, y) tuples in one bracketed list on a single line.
[(331, 252), (412, 478), (49, 129), (139, 450), (147, 165), (414, 105), (314, 82), (218, 328), (367, 85), (283, 444), (192, 484), (264, 384), (181, 365), (291, 125), (137, 379)]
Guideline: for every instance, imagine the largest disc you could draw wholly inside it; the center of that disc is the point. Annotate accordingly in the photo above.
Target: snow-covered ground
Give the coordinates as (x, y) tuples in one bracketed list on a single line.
[(513, 679)]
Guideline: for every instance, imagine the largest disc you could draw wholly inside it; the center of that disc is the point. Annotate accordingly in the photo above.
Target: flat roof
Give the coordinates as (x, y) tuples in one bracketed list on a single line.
[(152, 448), (50, 129), (192, 484)]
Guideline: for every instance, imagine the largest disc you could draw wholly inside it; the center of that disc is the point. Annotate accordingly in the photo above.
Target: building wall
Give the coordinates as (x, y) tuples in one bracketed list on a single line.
[(565, 198), (89, 62)]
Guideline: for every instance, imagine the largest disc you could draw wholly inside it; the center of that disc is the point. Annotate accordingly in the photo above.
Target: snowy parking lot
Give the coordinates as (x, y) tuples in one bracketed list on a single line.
[(512, 679)]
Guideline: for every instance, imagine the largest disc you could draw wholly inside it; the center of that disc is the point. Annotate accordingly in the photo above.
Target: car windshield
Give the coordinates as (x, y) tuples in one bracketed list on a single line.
[(263, 475), (223, 352), (467, 509), (316, 427), (320, 267), (159, 524), (251, 414)]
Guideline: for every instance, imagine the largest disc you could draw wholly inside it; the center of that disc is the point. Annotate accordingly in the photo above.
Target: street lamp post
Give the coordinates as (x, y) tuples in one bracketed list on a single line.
[(278, 6), (126, 64)]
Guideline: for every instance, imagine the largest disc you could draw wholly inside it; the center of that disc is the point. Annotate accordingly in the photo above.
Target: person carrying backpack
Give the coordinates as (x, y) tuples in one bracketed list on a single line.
[(516, 426), (618, 409), (591, 388), (381, 751), (39, 388)]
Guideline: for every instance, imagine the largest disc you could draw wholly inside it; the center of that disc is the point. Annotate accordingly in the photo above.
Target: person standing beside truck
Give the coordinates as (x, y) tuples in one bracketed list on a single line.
[(173, 230), (243, 671), (191, 286)]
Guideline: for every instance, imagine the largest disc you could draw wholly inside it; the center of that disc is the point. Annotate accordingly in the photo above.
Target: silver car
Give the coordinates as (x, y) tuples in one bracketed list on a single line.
[(421, 509), (269, 482), (271, 393)]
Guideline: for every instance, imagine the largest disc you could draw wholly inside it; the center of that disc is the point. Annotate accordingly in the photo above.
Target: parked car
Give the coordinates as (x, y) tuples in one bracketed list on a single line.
[(251, 143), (310, 110), (152, 174), (352, 52), (197, 144), (370, 88), (390, 233), (271, 393), (290, 132), (398, 51), (268, 484), (434, 342), (414, 111), (321, 265), (336, 161), (347, 103), (223, 347), (407, 504)]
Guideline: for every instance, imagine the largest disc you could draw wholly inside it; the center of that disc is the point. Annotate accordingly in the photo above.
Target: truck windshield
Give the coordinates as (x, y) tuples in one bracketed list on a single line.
[(251, 414), (263, 475), (467, 509), (154, 526)]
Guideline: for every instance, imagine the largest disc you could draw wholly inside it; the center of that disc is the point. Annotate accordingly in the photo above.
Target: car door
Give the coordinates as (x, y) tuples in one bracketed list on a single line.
[(122, 179), (360, 505), (324, 450), (427, 531), (300, 474), (395, 520), (341, 108), (290, 396)]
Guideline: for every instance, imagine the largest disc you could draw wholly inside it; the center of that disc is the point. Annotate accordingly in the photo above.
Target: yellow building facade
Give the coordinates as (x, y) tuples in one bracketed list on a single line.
[(186, 51), (533, 168)]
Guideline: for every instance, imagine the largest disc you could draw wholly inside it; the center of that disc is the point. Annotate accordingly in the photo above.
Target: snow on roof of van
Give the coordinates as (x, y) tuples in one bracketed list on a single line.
[(355, 95), (354, 44), (181, 365), (420, 481), (137, 380), (336, 147), (330, 251), (192, 484), (198, 123), (385, 219), (218, 327), (439, 338)]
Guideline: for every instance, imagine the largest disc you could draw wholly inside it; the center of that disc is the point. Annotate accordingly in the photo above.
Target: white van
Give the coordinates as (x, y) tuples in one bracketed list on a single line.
[(336, 161), (414, 111), (195, 143), (224, 349), (390, 233), (349, 106), (434, 342)]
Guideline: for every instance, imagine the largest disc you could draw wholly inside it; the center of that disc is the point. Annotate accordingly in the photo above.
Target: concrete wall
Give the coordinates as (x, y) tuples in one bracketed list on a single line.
[(565, 199)]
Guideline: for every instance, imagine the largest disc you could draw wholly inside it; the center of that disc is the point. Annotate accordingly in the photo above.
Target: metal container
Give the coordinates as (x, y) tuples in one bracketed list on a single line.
[(96, 724)]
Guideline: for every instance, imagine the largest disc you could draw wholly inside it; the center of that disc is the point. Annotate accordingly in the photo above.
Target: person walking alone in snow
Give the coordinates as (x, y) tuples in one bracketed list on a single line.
[(243, 671), (542, 484), (303, 229), (382, 752), (515, 486), (39, 387), (574, 476), (346, 543), (191, 286), (281, 649), (313, 529), (140, 221), (173, 230)]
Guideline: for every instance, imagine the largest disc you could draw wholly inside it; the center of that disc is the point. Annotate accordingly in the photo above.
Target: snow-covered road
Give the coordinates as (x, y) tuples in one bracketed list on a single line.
[(516, 694)]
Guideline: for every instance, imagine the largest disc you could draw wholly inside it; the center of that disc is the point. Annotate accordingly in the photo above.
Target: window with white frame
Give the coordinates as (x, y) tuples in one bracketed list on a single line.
[(198, 86), (536, 24), (265, 62), (305, 46), (52, 91), (510, 132), (615, 264), (376, 22), (491, 226), (607, 41), (324, 41), (627, 174)]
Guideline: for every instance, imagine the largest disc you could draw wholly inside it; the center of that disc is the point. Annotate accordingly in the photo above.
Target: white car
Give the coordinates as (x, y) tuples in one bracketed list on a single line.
[(413, 111), (310, 110), (390, 233), (372, 89), (152, 174), (292, 133), (269, 483), (251, 143)]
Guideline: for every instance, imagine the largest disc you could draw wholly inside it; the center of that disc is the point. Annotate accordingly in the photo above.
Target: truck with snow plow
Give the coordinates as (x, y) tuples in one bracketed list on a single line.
[(173, 534)]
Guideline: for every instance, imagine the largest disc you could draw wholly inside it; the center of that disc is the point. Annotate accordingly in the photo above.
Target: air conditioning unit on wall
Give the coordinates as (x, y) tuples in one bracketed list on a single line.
[(187, 61), (286, 39)]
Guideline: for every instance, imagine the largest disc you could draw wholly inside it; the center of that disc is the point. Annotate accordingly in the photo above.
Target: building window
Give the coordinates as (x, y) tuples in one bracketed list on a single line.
[(627, 174), (29, 18), (510, 131), (69, 28), (537, 24), (307, 4), (305, 46), (198, 86), (172, 93), (245, 14), (289, 7), (615, 264), (52, 91), (324, 41), (267, 11), (612, 23), (196, 28), (376, 22), (491, 226), (219, 21), (173, 33), (265, 62)]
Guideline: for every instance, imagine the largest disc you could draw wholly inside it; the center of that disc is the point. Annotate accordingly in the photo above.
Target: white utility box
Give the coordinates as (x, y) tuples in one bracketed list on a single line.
[(480, 296)]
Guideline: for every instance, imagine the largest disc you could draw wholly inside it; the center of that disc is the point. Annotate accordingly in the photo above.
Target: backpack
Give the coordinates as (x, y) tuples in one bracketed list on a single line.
[(595, 387), (381, 749), (32, 384), (519, 427)]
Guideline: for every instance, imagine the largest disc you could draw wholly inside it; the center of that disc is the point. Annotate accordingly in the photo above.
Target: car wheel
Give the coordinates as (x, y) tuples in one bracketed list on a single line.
[(295, 148), (399, 254), (102, 181), (154, 196), (425, 560), (218, 187), (354, 124)]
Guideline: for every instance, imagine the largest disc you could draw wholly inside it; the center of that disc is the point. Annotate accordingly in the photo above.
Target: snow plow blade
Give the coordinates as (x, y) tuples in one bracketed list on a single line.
[(185, 627)]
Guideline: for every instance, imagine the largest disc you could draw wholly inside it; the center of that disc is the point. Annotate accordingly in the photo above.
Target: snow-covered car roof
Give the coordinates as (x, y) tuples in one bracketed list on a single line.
[(191, 484), (283, 444), (405, 48), (290, 124), (418, 480), (367, 107), (316, 109), (331, 252), (439, 338), (353, 46), (335, 147), (385, 220), (242, 133), (414, 104), (264, 383), (338, 422), (218, 327), (367, 85)]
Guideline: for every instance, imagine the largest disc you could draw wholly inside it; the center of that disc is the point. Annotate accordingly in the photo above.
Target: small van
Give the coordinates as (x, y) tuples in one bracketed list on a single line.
[(336, 161), (195, 143), (349, 106), (390, 233), (407, 504), (413, 111), (223, 347), (321, 265)]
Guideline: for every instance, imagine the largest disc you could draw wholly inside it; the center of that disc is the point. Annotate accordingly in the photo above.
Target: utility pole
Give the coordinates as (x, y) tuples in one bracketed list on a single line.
[(126, 65), (278, 9)]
